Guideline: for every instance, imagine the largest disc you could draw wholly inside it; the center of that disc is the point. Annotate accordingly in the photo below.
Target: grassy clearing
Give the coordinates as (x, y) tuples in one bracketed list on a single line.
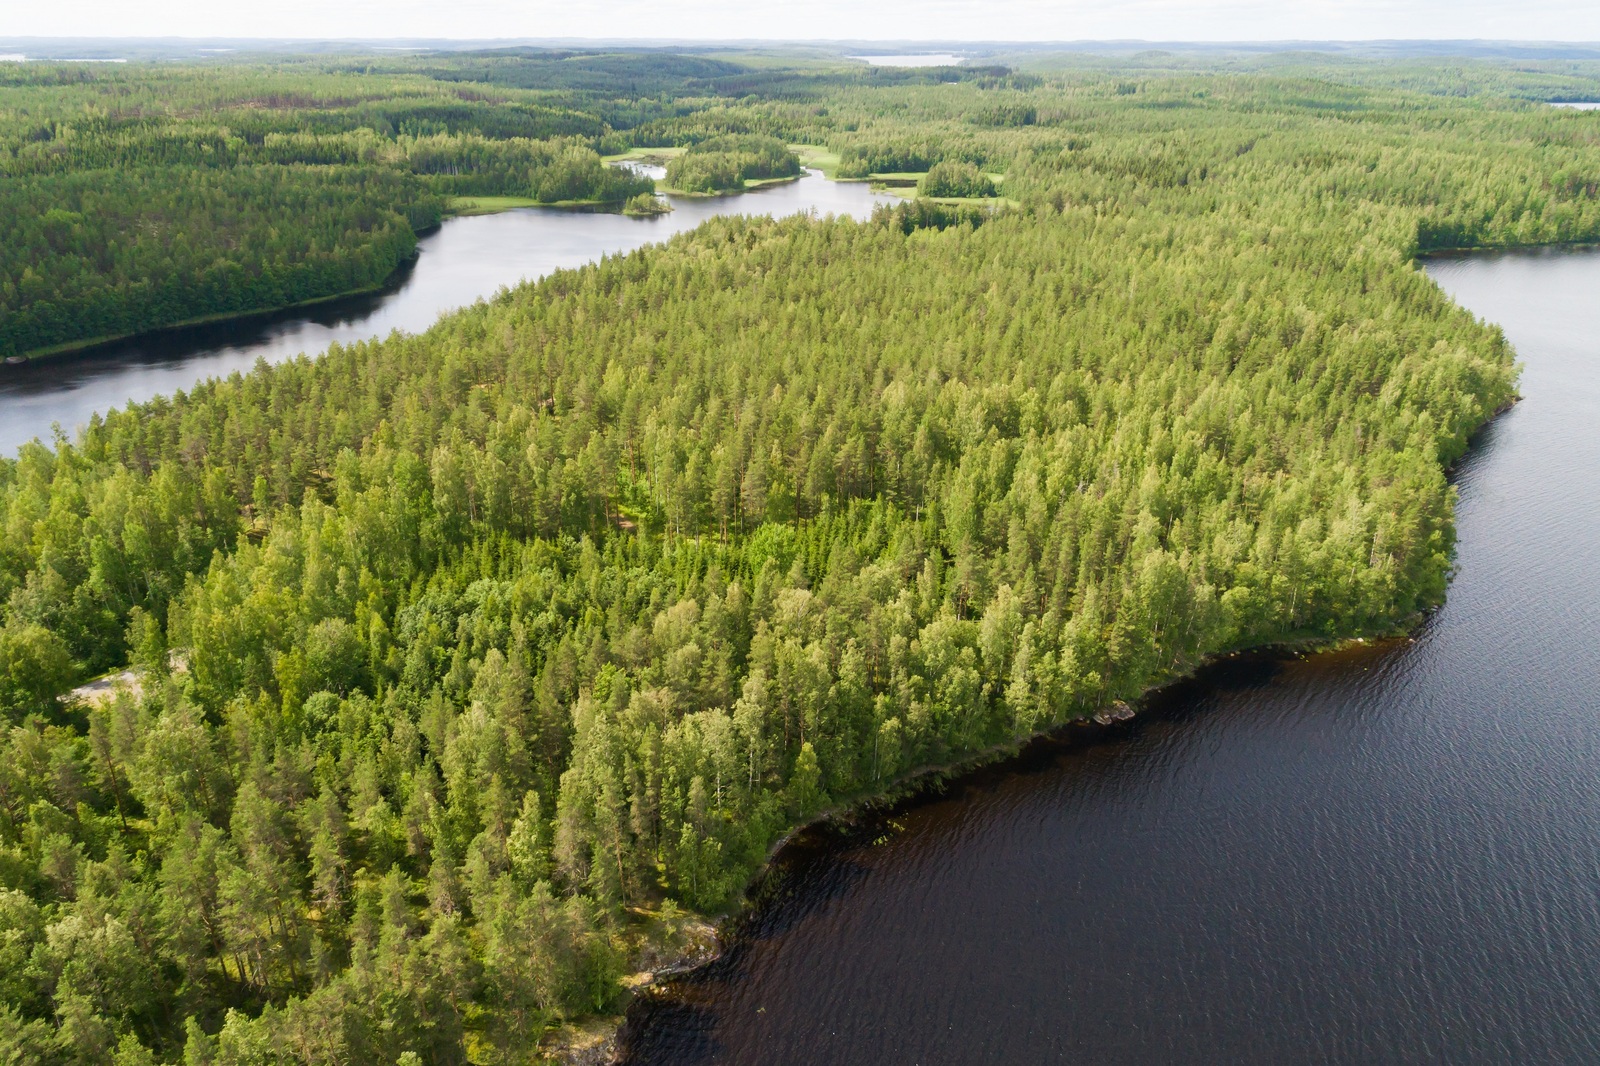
[(991, 202), (908, 184), (757, 183), (817, 157), (461, 206), (487, 205), (749, 184), (654, 156)]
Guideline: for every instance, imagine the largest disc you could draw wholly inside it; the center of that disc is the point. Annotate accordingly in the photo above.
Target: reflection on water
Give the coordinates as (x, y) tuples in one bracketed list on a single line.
[(465, 260), (1387, 855)]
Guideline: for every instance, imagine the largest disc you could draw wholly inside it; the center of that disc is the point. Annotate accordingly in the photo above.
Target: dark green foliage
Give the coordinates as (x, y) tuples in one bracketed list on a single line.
[(727, 162), (857, 160), (140, 198), (485, 640), (956, 180), (1006, 115), (111, 252), (628, 75), (929, 214), (646, 204), (578, 174)]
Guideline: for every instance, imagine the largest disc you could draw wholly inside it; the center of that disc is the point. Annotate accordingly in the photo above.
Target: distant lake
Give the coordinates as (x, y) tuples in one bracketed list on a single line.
[(931, 59), (466, 259), (1389, 854), (1587, 105)]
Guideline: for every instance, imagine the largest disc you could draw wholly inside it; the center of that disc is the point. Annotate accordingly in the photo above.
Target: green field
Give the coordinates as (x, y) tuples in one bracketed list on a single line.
[(487, 205), (817, 157), (655, 156)]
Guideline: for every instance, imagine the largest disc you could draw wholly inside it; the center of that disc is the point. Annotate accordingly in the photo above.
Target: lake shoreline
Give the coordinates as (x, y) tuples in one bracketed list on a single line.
[(751, 185), (90, 346), (460, 261), (1469, 251), (475, 206), (928, 783)]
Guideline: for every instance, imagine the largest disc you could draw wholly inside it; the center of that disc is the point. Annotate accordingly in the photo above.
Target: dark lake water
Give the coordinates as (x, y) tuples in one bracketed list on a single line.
[(1387, 856), (466, 259)]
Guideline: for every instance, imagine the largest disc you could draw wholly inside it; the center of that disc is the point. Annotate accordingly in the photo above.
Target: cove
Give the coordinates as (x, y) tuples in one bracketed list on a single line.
[(1388, 854), (464, 260)]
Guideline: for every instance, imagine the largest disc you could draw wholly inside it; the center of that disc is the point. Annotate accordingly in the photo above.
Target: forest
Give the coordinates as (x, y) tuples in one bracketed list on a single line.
[(471, 665), (729, 162), (133, 201)]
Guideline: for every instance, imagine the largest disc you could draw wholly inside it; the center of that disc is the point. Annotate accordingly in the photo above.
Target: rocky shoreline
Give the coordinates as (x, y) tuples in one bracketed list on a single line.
[(693, 942), (597, 1041)]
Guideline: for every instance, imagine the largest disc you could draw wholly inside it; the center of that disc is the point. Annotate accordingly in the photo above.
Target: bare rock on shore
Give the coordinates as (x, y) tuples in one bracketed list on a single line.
[(590, 1044), (675, 943), (1117, 712)]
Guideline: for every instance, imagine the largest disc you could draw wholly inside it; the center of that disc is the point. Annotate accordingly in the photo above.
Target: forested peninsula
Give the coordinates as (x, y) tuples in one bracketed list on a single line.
[(138, 200), (472, 664)]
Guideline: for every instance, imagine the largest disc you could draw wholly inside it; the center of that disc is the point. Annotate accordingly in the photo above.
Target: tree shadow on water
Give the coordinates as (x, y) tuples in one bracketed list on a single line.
[(800, 888), (661, 1030)]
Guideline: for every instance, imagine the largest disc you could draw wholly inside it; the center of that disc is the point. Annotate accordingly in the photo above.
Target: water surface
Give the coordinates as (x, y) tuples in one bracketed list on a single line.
[(466, 259), (1385, 856)]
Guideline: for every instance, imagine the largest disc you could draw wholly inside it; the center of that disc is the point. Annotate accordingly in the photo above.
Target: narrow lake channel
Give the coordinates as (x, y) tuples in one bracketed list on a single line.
[(464, 260), (1385, 856)]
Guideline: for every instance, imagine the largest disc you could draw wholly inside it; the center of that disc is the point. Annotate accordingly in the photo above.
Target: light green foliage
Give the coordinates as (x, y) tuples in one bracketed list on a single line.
[(727, 162), (35, 665), (955, 180), (578, 601), (646, 204)]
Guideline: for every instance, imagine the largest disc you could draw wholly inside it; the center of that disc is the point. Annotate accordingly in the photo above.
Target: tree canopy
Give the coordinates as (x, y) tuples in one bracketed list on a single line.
[(460, 652), (139, 199), (719, 164)]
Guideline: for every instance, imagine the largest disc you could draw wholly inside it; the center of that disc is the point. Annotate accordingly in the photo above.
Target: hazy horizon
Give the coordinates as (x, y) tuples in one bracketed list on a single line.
[(130, 48), (893, 21)]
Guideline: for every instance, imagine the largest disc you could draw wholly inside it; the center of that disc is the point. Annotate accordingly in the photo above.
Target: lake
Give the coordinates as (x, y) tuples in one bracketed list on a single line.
[(464, 260), (1384, 855)]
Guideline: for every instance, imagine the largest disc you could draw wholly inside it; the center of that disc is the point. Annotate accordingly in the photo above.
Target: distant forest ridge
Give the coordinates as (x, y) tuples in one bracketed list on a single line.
[(471, 665), (134, 48)]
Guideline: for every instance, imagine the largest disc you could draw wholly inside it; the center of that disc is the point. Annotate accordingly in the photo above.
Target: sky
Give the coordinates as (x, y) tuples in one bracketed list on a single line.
[(904, 20)]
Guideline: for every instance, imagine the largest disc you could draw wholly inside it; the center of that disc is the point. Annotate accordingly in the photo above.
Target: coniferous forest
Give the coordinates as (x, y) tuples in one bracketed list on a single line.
[(473, 664)]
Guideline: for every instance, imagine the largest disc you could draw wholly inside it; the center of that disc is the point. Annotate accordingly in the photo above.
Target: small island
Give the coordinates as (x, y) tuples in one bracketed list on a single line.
[(646, 205)]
